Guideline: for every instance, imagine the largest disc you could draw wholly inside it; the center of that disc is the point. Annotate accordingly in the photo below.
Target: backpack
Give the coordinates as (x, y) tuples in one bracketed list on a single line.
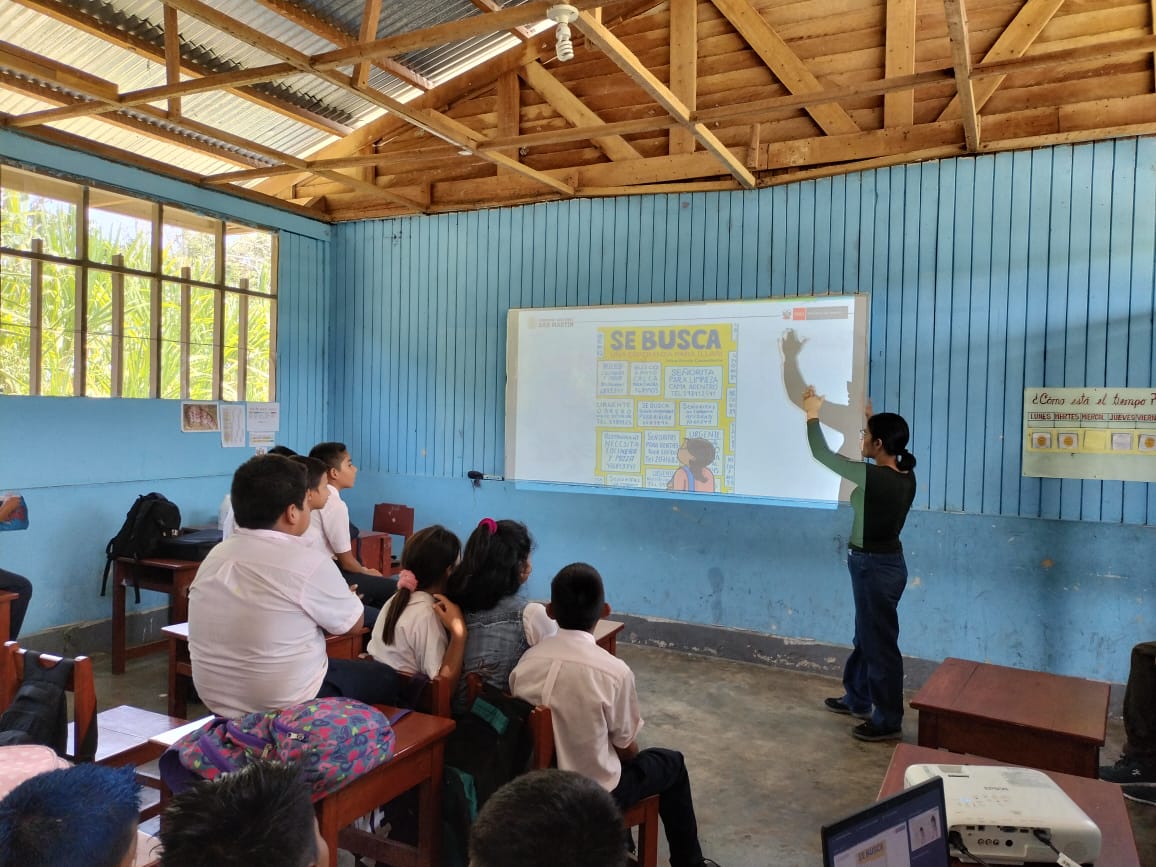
[(488, 748), (152, 518), (39, 712), (333, 740)]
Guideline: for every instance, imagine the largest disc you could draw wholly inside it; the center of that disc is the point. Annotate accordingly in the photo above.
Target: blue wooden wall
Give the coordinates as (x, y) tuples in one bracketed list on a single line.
[(985, 274)]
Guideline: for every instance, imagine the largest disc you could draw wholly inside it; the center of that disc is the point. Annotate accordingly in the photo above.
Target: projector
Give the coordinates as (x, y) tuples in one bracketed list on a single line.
[(997, 810)]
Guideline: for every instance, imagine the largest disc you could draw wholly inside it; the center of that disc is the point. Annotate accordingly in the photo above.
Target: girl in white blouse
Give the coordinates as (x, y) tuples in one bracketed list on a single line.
[(420, 630)]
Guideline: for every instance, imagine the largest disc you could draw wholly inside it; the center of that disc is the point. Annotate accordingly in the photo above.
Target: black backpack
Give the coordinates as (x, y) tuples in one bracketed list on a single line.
[(39, 712), (152, 518)]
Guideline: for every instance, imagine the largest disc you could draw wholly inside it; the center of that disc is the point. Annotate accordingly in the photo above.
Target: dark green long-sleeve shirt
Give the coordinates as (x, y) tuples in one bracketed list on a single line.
[(881, 498)]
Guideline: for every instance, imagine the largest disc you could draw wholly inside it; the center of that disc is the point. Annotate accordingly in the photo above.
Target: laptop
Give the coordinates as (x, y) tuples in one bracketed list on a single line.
[(906, 830)]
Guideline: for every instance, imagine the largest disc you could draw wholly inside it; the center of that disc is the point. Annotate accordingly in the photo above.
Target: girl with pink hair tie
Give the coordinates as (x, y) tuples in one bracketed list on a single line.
[(420, 630)]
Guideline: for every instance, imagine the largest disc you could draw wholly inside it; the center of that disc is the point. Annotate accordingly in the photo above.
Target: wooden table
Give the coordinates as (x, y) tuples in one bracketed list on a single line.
[(1031, 718), (1103, 802), (606, 635), (347, 646), (418, 761), (162, 575)]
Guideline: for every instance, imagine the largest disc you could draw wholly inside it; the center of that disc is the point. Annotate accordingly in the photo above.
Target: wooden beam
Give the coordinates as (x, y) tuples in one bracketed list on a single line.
[(16, 59), (1014, 42), (784, 63), (315, 24), (522, 33), (369, 21), (173, 57), (1099, 52), (584, 133), (575, 111), (509, 92), (83, 21), (899, 60), (823, 150), (625, 59), (683, 68), (961, 61), (440, 34), (365, 187)]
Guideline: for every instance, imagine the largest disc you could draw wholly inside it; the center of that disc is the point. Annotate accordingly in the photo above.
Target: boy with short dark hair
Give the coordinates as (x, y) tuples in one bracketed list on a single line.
[(594, 706), (329, 528), (261, 814), (83, 816), (548, 819)]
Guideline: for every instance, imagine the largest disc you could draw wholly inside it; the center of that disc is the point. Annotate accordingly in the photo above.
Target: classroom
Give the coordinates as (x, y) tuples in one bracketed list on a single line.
[(1027, 262)]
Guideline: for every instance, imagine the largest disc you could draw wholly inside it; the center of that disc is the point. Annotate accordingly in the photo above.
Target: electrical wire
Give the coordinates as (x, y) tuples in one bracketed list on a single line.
[(956, 840)]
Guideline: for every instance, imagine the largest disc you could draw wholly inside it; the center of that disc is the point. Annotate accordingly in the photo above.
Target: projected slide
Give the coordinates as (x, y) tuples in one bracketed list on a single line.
[(700, 399)]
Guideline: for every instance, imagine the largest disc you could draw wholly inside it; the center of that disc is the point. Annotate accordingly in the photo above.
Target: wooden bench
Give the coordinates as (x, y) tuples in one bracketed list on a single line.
[(348, 646), (1032, 718), (1103, 802)]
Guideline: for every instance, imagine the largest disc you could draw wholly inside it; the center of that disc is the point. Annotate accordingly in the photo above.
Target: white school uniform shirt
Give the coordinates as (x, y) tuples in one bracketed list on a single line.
[(329, 526), (419, 639), (225, 520), (592, 700), (257, 609)]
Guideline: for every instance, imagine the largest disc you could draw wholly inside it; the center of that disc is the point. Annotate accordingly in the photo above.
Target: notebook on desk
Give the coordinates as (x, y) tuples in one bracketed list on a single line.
[(905, 830)]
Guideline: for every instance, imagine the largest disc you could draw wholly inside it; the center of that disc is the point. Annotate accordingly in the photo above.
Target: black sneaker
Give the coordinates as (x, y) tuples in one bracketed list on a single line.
[(870, 732), (837, 705), (1128, 770), (1140, 794)]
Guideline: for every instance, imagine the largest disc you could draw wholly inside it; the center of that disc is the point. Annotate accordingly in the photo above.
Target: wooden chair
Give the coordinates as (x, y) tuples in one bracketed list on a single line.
[(435, 696), (80, 684), (395, 519), (643, 815)]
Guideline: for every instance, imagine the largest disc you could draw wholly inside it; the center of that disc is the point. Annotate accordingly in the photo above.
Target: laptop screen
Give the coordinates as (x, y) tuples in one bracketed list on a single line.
[(905, 830)]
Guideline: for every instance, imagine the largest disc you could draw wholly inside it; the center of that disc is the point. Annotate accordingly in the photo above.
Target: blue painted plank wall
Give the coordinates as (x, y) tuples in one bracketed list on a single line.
[(81, 462), (986, 275)]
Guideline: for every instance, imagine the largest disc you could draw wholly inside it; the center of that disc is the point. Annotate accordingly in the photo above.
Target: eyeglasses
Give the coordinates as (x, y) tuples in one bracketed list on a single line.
[(863, 432)]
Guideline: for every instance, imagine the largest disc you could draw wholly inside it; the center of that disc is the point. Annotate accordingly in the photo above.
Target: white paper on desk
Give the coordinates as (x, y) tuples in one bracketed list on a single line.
[(264, 416), (232, 425)]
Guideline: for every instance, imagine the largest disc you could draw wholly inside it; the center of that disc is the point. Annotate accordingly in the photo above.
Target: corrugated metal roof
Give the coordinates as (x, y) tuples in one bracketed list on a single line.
[(139, 24)]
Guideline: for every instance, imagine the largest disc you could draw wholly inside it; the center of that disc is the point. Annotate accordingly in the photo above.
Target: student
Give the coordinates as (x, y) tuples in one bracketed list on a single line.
[(262, 814), (263, 600), (594, 706), (1136, 767), (500, 622), (884, 491), (548, 819), (421, 630), (83, 816), (695, 456), (225, 521), (10, 581), (330, 529)]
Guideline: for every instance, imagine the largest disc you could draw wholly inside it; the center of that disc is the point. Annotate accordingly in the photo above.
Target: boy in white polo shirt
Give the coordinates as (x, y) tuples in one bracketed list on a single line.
[(594, 707), (330, 527), (263, 600)]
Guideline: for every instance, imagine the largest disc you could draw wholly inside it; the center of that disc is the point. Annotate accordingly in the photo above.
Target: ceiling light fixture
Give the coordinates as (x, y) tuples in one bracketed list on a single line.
[(562, 14)]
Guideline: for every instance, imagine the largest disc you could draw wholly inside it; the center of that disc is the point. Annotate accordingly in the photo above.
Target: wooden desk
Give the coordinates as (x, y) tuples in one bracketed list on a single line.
[(1031, 718), (418, 760), (374, 550), (606, 635), (1103, 802), (125, 737), (347, 646), (159, 574)]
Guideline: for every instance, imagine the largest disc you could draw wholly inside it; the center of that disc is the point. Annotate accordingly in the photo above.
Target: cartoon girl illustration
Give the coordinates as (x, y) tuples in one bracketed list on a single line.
[(694, 474)]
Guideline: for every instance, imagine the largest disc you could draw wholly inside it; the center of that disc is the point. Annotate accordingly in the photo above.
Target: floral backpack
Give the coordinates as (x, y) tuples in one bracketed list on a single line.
[(333, 740)]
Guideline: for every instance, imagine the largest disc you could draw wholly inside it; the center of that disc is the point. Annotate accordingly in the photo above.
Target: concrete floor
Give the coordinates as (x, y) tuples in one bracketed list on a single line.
[(768, 765)]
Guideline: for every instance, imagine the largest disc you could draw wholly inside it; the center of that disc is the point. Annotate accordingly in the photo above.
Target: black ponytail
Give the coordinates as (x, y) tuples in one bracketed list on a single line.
[(491, 567), (892, 432), (428, 554)]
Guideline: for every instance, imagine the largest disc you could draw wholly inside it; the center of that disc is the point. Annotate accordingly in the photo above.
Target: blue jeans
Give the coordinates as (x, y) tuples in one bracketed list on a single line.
[(873, 674)]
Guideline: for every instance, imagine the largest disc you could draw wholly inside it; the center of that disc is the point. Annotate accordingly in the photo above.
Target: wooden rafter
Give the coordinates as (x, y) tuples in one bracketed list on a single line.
[(899, 59), (684, 67), (523, 33), (314, 24), (60, 11), (1014, 42), (961, 61), (575, 111), (625, 59), (509, 92), (784, 63), (369, 21)]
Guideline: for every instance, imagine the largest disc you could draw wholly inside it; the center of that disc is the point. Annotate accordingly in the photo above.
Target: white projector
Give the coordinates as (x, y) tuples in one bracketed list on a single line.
[(997, 810)]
